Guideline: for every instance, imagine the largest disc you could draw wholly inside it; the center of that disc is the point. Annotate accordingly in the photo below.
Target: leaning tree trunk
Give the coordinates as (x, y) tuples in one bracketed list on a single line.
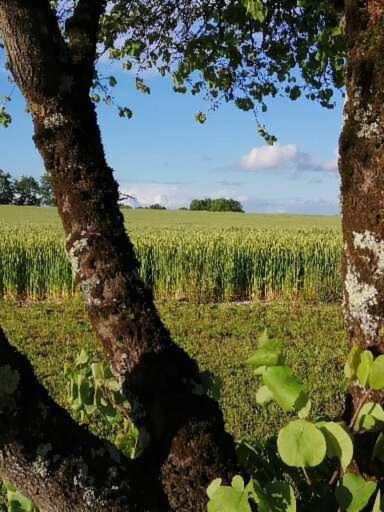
[(362, 175), (180, 426)]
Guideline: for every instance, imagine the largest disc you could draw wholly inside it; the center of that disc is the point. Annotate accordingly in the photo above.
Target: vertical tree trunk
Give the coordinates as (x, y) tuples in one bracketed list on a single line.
[(362, 174), (181, 428)]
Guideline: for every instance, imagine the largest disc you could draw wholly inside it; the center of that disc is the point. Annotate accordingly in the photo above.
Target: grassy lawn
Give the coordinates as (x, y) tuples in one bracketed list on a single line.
[(17, 215), (219, 337)]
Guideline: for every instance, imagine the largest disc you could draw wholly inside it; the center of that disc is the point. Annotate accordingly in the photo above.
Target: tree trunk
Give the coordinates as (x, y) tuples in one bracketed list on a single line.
[(361, 167), (60, 465), (182, 428)]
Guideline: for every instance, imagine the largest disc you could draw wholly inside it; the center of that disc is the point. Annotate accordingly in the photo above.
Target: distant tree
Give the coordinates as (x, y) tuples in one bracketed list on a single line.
[(47, 197), (226, 205), (156, 206), (216, 205), (201, 204), (26, 192), (6, 188)]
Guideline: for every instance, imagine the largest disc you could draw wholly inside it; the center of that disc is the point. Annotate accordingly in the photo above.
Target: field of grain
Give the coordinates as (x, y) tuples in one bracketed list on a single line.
[(184, 255)]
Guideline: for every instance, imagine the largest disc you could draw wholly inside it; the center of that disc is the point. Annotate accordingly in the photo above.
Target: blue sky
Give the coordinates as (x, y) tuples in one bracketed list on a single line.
[(163, 155)]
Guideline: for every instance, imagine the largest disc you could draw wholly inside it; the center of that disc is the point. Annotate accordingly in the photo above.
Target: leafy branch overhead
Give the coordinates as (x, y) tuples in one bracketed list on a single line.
[(239, 51)]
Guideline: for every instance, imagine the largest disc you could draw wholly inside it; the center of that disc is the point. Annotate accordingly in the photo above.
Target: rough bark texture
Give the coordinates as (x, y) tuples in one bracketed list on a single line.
[(182, 428), (361, 165), (61, 466)]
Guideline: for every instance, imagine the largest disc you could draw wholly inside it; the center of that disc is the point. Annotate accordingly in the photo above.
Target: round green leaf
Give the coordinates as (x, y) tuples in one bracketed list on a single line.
[(376, 376), (301, 444), (339, 442), (353, 492)]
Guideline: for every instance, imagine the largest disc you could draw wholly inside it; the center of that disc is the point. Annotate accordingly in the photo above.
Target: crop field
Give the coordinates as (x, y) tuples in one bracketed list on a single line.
[(195, 256)]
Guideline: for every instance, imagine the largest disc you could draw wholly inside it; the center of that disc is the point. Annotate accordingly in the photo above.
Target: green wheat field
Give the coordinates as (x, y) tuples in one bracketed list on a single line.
[(192, 256)]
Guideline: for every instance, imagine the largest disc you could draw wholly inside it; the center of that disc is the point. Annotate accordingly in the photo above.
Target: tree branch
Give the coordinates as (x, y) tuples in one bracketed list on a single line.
[(27, 27), (82, 30), (58, 464)]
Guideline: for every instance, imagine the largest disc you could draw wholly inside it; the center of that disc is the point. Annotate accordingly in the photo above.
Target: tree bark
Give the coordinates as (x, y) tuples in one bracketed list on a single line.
[(361, 167), (182, 428), (58, 464)]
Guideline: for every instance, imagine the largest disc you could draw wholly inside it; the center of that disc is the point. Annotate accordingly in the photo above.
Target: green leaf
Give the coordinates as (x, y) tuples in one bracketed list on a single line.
[(269, 354), (305, 411), (273, 497), (364, 367), (228, 499), (264, 396), (353, 361), (287, 390), (256, 9), (301, 444), (97, 371), (201, 117), (82, 359), (353, 492), (259, 372), (213, 486), (126, 442), (371, 416), (378, 449), (376, 376), (339, 442)]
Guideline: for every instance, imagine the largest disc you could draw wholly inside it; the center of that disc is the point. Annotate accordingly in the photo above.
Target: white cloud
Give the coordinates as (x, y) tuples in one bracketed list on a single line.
[(269, 157), (280, 157)]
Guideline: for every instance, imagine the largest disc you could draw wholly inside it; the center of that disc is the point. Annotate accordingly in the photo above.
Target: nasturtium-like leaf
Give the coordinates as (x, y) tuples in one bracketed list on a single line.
[(364, 367), (269, 354), (371, 416), (353, 492), (213, 486), (339, 442), (352, 363), (264, 396), (286, 388), (376, 376), (378, 449), (301, 444), (228, 499)]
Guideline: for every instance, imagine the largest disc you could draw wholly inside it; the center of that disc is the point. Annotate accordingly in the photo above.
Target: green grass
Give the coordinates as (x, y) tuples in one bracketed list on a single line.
[(220, 337), (17, 215)]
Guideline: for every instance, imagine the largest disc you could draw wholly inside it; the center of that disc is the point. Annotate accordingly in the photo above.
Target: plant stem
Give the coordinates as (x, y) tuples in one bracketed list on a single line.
[(362, 401), (307, 478)]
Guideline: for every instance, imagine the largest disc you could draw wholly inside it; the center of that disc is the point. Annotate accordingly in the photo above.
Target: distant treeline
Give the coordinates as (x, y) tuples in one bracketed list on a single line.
[(25, 191), (216, 205)]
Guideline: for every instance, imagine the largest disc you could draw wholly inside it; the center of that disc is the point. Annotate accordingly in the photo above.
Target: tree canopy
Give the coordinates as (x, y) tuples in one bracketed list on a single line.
[(243, 51)]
